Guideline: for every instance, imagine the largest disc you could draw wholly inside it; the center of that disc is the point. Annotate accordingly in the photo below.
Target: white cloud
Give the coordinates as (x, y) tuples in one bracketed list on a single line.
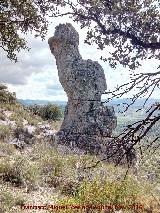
[(35, 76)]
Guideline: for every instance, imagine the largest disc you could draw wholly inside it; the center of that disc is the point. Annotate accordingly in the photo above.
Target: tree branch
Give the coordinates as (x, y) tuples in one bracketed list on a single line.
[(135, 40)]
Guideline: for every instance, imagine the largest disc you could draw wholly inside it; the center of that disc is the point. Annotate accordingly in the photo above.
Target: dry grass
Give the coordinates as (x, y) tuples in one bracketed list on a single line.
[(43, 175)]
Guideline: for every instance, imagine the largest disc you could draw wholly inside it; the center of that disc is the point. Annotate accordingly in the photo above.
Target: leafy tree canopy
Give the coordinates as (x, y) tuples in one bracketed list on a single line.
[(19, 17), (130, 26)]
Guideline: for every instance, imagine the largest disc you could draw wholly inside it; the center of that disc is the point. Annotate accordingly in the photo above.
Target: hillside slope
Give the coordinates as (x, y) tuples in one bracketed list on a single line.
[(36, 173)]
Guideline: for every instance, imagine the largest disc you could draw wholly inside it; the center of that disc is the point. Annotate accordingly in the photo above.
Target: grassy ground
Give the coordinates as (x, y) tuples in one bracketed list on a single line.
[(43, 174)]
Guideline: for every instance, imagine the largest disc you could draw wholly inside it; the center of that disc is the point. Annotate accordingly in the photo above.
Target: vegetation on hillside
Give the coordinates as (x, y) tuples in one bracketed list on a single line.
[(43, 166), (47, 112), (130, 28), (5, 96), (43, 173)]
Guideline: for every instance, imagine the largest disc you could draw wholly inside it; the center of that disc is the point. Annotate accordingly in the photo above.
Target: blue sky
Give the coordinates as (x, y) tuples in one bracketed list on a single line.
[(35, 76)]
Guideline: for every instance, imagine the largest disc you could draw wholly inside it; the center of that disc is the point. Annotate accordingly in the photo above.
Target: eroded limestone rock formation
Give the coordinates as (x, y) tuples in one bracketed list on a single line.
[(87, 124)]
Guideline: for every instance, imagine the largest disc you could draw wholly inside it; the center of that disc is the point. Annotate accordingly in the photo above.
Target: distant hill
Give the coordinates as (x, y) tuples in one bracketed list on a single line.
[(29, 102), (114, 102)]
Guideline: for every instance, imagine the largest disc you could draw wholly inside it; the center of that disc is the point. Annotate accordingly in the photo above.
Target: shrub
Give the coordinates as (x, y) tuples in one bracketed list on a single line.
[(148, 167), (10, 171), (26, 115), (7, 149), (57, 170), (47, 112), (2, 116), (8, 199), (5, 131), (19, 170), (114, 194), (5, 96)]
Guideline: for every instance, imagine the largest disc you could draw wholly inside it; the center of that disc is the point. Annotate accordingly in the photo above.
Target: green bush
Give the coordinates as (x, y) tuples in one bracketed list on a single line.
[(9, 199), (5, 96), (115, 195), (19, 171), (5, 131), (47, 112), (10, 171), (6, 148)]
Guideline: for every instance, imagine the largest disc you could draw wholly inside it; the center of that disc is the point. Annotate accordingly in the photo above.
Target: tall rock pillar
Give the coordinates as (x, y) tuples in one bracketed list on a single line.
[(88, 124)]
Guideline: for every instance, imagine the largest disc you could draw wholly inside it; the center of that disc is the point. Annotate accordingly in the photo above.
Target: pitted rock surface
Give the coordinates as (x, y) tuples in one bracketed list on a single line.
[(87, 122)]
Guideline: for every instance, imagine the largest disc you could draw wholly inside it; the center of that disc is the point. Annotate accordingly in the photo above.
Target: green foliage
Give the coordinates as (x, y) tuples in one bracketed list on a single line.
[(115, 192), (58, 170), (43, 165), (5, 96), (20, 16), (18, 112), (7, 149), (5, 131), (2, 116), (8, 199), (130, 27), (47, 112), (3, 87), (10, 172), (111, 193), (115, 23), (18, 170), (148, 165)]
